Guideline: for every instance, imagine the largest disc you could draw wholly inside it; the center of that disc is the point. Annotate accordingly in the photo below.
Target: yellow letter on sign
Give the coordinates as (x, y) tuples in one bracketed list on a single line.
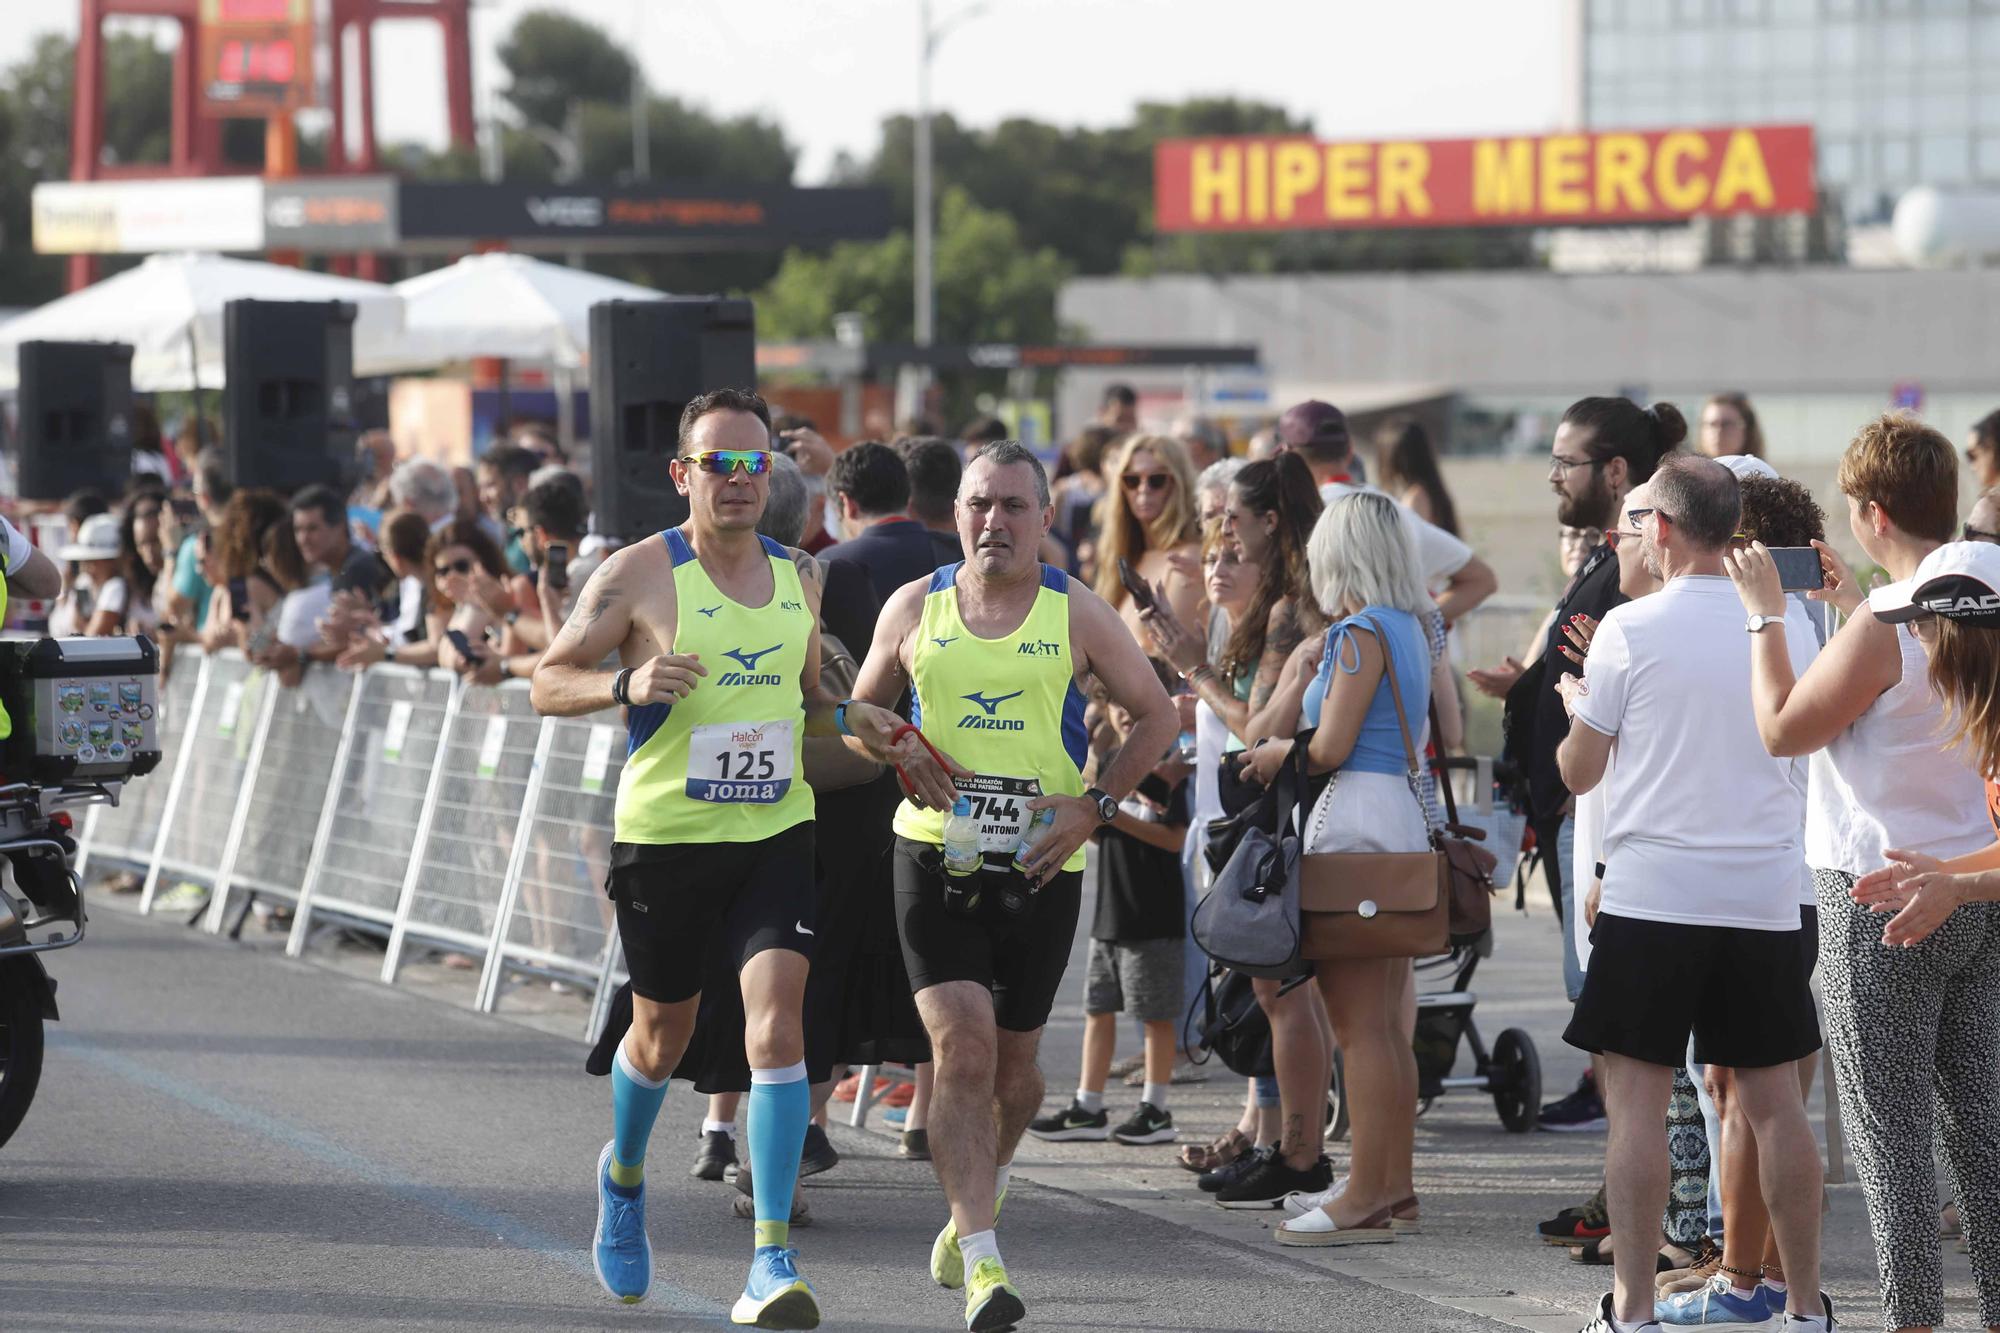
[(1294, 174), (1347, 181), (1563, 167), (1403, 174), (1621, 174), (1683, 194), (1503, 177), (1215, 182), (1743, 173)]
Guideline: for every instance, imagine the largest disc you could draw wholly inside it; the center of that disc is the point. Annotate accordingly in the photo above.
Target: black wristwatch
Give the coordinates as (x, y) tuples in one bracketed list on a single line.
[(1106, 803)]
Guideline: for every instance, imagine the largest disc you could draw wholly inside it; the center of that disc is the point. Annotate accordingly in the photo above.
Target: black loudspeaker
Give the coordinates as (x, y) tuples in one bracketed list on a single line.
[(647, 359), (288, 405), (76, 419)]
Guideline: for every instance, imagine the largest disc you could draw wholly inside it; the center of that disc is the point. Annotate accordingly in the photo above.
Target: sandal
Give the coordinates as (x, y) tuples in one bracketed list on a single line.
[(1226, 1148)]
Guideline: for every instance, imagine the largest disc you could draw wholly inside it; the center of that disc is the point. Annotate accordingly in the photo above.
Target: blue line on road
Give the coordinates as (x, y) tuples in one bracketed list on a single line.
[(309, 1144)]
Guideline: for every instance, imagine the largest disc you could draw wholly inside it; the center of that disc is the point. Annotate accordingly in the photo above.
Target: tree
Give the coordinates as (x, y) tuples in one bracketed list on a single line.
[(991, 286), (553, 59)]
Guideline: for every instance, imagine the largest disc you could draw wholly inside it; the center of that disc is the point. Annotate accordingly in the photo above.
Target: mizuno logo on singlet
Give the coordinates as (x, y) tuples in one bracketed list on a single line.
[(749, 675), (709, 611), (942, 642), (1040, 648), (989, 722)]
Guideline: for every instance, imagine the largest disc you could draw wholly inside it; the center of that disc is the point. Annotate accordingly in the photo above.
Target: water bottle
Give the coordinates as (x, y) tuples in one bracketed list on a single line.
[(1036, 830), (1189, 753), (961, 840)]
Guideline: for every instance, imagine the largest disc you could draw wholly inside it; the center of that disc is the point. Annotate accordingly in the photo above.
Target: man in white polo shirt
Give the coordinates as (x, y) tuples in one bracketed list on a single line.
[(1698, 927)]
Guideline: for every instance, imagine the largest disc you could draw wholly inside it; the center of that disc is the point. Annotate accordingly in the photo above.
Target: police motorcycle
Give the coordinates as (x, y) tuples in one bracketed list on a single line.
[(80, 715)]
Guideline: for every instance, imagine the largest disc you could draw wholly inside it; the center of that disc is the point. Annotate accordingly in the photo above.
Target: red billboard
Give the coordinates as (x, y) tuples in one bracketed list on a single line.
[(256, 57), (1290, 183)]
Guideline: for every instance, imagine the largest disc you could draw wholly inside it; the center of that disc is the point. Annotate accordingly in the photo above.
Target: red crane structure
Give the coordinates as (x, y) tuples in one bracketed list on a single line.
[(196, 136)]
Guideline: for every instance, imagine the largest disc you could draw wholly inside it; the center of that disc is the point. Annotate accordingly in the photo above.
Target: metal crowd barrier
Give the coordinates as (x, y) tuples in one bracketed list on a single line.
[(401, 802)]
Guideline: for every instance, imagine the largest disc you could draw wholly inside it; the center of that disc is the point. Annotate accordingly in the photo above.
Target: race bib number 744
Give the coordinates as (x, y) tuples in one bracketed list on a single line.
[(1000, 805), (740, 763)]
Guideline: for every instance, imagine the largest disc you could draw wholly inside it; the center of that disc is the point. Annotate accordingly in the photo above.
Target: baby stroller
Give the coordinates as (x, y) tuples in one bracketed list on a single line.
[(1511, 1072)]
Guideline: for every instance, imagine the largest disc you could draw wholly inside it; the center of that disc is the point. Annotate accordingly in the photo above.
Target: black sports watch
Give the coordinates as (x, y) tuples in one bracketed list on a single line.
[(1107, 804)]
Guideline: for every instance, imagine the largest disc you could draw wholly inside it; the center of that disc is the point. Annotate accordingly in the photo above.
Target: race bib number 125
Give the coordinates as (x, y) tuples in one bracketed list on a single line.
[(740, 763)]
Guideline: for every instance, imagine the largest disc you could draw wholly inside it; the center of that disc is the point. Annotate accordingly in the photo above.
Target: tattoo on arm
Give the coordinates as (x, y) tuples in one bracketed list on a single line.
[(808, 567), (1279, 644), (587, 614)]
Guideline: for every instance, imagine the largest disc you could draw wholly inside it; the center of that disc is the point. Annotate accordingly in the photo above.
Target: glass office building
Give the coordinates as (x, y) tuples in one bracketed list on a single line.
[(1899, 92)]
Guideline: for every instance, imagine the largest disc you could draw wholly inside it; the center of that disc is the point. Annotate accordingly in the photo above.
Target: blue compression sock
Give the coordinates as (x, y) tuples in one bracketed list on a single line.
[(780, 1106), (635, 1105)]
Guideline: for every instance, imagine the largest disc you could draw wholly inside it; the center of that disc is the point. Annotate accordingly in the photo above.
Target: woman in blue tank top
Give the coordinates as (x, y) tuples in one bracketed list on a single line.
[(1365, 576)]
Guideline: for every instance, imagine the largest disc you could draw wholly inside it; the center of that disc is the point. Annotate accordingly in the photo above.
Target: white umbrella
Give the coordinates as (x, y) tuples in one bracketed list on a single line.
[(170, 309), (504, 305)]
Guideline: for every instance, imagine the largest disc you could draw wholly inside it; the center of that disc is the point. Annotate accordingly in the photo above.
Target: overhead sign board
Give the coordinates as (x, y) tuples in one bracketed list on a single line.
[(143, 217), (1290, 183), (256, 57), (690, 214), (352, 214)]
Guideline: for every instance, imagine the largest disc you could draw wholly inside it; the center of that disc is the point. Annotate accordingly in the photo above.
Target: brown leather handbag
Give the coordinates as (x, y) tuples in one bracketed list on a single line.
[(1471, 888), (1377, 904)]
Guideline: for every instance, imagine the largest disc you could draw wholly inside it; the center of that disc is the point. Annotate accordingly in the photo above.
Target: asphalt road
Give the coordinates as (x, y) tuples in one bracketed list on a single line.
[(226, 1139)]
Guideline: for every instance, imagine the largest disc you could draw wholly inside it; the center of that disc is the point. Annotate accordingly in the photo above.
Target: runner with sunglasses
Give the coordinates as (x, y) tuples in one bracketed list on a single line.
[(717, 632), (998, 648)]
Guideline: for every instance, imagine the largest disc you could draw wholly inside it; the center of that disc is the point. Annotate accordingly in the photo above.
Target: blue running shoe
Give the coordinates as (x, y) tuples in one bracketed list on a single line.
[(1716, 1305), (623, 1254), (776, 1296)]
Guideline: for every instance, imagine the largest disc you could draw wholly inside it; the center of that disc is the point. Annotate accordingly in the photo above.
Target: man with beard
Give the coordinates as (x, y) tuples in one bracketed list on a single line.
[(1603, 449)]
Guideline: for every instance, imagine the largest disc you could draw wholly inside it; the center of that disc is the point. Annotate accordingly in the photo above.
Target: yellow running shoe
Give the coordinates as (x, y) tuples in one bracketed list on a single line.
[(991, 1302), (947, 1264)]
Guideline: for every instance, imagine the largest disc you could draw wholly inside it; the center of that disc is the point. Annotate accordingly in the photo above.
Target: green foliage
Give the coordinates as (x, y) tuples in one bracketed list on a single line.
[(553, 59), (991, 287)]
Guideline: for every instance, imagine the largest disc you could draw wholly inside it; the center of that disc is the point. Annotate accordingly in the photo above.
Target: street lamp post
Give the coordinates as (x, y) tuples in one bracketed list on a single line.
[(928, 37)]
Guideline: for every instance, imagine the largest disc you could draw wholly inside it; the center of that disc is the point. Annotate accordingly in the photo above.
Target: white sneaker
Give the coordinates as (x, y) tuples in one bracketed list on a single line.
[(1299, 1202), (1601, 1320)]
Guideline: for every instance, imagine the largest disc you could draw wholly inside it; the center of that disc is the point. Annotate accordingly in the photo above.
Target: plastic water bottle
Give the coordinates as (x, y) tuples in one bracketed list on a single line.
[(1189, 752), (961, 840), (1037, 829)]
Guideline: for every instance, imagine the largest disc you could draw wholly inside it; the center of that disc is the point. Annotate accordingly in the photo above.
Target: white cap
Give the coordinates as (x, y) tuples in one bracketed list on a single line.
[(1748, 465), (96, 539), (1959, 581)]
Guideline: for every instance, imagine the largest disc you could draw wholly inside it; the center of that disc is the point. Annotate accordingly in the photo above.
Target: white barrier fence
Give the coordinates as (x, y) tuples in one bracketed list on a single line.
[(400, 802)]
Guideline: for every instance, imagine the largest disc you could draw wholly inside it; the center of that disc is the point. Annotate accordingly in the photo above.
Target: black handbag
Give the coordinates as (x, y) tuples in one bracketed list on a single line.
[(1233, 1027)]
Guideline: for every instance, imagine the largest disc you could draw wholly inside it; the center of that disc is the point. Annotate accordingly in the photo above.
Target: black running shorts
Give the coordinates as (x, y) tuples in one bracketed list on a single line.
[(1744, 994), (678, 901), (1019, 958)]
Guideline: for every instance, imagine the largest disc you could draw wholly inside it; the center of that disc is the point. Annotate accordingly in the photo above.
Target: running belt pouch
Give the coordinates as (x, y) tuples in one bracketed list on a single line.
[(1250, 919), (1376, 904)]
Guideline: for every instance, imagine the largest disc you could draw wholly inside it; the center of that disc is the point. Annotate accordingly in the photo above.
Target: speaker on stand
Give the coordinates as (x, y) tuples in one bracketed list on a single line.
[(647, 360), (288, 408), (75, 419)]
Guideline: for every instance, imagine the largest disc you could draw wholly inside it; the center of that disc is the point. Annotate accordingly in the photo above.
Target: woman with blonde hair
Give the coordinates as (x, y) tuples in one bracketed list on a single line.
[(1365, 578), (1147, 519)]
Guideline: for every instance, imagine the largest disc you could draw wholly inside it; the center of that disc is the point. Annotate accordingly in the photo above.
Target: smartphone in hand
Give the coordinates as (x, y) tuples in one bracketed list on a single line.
[(1142, 596), (1799, 568), (464, 646), (555, 566)]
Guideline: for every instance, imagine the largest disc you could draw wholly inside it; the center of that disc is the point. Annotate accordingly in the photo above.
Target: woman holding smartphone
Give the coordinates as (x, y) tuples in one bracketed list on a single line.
[(1147, 521), (1873, 714)]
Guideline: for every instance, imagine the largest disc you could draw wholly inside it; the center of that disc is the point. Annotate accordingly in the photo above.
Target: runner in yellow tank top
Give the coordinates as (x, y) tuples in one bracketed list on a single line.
[(997, 649), (717, 630)]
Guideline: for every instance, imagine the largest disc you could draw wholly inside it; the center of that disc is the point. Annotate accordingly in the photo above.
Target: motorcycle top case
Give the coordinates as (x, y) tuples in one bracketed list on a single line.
[(82, 709)]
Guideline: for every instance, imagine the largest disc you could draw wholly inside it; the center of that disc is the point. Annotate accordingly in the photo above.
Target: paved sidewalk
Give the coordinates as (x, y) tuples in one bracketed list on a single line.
[(1483, 1189)]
